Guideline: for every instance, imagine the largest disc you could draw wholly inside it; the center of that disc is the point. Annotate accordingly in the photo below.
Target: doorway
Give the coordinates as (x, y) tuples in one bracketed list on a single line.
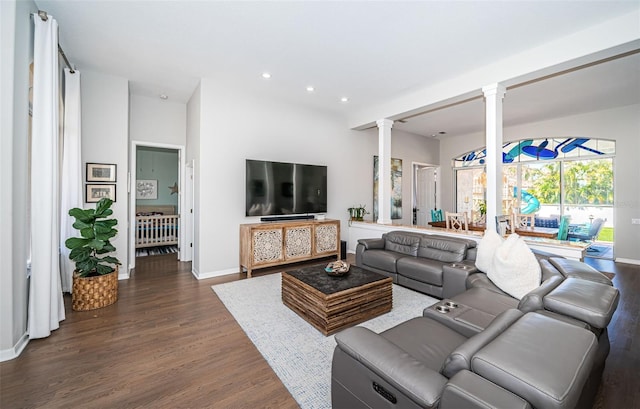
[(156, 200), (425, 192)]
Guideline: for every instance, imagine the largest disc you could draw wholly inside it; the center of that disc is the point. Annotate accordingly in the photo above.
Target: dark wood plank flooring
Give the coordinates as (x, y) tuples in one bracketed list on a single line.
[(620, 387), (170, 343)]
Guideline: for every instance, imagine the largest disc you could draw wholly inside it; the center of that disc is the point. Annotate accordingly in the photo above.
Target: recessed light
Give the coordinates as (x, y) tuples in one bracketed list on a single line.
[(266, 75), (164, 96), (344, 99), (310, 88)]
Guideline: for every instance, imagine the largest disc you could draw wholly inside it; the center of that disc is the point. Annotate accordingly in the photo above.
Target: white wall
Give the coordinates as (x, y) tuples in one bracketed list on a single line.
[(236, 126), (105, 139), (161, 165), (16, 55), (193, 156), (410, 148), (619, 124), (159, 121)]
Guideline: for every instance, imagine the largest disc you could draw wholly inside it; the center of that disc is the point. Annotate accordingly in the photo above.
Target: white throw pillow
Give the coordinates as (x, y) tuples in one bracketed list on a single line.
[(515, 269), (487, 249)]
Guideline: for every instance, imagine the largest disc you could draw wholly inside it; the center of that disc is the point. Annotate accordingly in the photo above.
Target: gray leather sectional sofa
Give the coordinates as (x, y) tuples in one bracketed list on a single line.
[(481, 348), (432, 264)]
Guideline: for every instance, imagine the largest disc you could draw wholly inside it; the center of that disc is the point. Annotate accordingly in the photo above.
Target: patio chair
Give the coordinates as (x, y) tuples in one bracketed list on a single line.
[(587, 235), (523, 220), (477, 217), (457, 221)]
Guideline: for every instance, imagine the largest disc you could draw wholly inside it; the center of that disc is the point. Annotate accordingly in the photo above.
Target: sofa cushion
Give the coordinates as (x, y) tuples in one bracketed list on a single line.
[(516, 270), (421, 269), (444, 250), (402, 242), (481, 280), (588, 301), (549, 222), (486, 300), (381, 259), (425, 340), (543, 360), (487, 250)]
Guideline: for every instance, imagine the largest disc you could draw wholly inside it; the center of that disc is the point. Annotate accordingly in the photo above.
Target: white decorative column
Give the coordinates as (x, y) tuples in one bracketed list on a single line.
[(493, 95), (384, 170)]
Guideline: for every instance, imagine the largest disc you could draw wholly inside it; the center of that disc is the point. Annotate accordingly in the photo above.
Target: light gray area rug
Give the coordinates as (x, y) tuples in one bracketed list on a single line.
[(298, 353)]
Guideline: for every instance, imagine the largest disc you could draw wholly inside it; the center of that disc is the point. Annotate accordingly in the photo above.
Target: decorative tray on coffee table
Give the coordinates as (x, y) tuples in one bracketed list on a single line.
[(337, 268)]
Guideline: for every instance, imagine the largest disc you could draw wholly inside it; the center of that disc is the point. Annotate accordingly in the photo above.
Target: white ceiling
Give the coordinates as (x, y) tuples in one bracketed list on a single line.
[(367, 51)]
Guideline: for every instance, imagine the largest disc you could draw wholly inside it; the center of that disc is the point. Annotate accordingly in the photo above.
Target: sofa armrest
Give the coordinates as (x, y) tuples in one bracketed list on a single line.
[(367, 244), (534, 299), (370, 244), (470, 391), (454, 277), (413, 378)]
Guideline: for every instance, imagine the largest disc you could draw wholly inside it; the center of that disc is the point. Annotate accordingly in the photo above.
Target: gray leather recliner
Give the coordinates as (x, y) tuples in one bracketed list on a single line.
[(519, 361)]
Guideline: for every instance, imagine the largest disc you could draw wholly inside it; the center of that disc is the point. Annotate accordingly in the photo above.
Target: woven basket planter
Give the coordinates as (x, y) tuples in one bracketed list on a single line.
[(90, 293)]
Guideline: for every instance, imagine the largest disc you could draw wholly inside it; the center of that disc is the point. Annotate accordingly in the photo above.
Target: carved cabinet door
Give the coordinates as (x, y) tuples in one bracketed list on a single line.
[(267, 246), (297, 242), (326, 238)]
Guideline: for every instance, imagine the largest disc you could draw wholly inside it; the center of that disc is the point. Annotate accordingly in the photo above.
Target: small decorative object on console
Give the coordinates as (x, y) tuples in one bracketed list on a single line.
[(337, 268)]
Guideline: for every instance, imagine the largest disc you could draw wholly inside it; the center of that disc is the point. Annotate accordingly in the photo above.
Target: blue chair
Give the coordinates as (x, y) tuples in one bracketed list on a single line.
[(436, 215), (589, 235)]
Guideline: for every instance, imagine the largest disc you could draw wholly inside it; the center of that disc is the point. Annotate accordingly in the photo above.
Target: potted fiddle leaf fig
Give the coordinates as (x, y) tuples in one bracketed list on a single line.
[(95, 279)]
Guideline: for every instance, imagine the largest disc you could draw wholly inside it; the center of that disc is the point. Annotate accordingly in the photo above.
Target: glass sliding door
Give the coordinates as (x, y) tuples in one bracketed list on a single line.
[(588, 193)]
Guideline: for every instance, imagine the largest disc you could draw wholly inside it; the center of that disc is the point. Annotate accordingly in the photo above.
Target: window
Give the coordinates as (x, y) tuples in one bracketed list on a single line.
[(548, 177), (588, 187)]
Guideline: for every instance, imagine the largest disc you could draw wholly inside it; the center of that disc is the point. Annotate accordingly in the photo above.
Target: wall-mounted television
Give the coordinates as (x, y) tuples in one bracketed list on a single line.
[(281, 188)]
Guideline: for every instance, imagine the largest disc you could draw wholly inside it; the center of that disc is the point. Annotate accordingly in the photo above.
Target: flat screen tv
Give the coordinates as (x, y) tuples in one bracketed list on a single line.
[(279, 188)]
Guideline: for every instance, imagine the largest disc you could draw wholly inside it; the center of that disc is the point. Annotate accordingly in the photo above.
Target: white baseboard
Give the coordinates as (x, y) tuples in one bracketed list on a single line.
[(627, 260), (214, 273), (12, 353)]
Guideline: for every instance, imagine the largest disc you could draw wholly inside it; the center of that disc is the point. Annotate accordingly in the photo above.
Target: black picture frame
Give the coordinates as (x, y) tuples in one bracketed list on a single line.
[(95, 191), (101, 172)]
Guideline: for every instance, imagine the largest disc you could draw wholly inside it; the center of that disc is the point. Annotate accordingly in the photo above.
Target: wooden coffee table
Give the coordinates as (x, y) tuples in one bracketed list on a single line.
[(333, 303)]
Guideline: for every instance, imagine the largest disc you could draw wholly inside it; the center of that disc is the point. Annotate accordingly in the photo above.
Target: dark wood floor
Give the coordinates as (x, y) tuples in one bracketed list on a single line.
[(170, 343)]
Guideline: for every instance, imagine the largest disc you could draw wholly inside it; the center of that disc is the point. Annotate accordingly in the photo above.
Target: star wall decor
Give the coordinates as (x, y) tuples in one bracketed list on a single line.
[(174, 188)]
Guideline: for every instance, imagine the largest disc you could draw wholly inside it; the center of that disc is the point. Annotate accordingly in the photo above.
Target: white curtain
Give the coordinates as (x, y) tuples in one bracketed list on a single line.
[(71, 172), (46, 305)]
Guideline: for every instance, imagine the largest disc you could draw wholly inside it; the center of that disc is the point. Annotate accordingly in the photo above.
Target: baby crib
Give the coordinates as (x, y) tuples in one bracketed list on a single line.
[(156, 226)]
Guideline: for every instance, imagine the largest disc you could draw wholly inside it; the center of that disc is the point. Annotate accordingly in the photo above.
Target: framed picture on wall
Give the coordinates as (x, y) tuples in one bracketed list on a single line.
[(101, 172), (146, 189), (95, 192)]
